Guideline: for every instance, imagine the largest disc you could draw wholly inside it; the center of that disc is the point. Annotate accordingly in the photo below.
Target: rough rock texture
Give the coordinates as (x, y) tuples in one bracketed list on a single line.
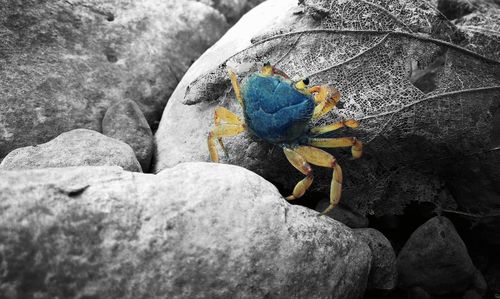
[(63, 63), (124, 121), (472, 294), (424, 100), (198, 230), (418, 293), (436, 259), (343, 215), (479, 283), (454, 9), (232, 9), (492, 274), (80, 147), (383, 273)]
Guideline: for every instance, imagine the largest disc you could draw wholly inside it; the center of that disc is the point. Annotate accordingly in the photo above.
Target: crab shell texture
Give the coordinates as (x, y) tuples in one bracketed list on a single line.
[(275, 110)]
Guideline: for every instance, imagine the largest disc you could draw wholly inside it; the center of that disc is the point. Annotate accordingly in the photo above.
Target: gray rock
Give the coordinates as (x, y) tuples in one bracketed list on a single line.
[(65, 62), (479, 283), (80, 147), (232, 9), (436, 259), (344, 215), (454, 9), (124, 121), (418, 293), (383, 273), (472, 294), (197, 230)]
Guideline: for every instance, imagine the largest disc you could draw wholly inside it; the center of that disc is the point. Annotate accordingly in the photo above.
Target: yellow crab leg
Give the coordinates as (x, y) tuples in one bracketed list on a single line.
[(222, 130), (301, 164), (321, 158), (351, 123), (236, 86), (356, 145), (223, 115)]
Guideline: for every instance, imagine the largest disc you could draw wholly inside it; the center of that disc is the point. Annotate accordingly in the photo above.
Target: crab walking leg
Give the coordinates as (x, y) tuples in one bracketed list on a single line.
[(301, 164), (356, 145), (351, 123), (223, 115), (236, 86), (222, 130), (321, 158)]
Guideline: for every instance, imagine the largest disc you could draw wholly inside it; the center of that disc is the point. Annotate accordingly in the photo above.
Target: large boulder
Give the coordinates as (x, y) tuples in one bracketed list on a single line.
[(197, 230), (63, 63), (383, 273), (124, 121), (435, 258), (80, 147), (423, 93)]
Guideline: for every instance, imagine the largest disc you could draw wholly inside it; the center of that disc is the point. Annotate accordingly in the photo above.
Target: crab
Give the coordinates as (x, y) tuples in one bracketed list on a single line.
[(279, 111)]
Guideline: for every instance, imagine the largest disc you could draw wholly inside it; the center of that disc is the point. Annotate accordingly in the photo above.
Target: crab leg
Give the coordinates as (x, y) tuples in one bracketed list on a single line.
[(356, 145), (319, 157), (226, 124), (301, 164), (351, 123), (236, 86), (222, 115)]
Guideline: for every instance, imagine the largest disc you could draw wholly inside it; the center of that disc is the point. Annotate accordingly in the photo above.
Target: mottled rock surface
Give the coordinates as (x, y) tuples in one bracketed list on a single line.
[(197, 230), (383, 273), (232, 9), (124, 121), (435, 258), (63, 63), (80, 147), (343, 215)]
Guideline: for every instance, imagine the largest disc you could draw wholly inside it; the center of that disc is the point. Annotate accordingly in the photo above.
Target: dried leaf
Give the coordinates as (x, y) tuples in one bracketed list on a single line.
[(425, 95)]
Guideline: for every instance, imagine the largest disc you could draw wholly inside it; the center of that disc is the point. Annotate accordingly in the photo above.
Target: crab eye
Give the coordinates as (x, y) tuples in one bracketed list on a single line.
[(267, 69), (301, 85)]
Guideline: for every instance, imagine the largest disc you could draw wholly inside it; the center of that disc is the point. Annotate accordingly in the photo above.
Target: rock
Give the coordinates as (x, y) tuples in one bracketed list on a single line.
[(418, 293), (472, 294), (408, 145), (65, 62), (436, 259), (80, 147), (344, 215), (124, 121), (454, 9), (492, 274), (479, 283), (232, 9), (477, 192), (479, 31), (383, 272), (197, 230)]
